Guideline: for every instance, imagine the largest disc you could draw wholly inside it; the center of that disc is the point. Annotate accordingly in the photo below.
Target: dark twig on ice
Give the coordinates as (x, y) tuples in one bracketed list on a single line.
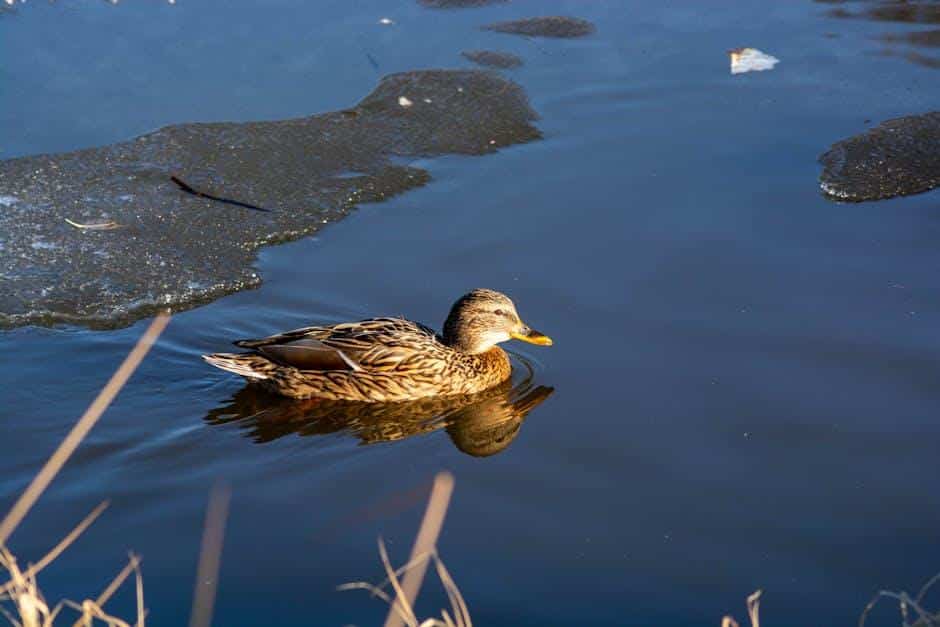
[(195, 192)]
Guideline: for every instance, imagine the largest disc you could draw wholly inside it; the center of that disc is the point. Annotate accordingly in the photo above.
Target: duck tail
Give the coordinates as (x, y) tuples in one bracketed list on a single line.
[(248, 365)]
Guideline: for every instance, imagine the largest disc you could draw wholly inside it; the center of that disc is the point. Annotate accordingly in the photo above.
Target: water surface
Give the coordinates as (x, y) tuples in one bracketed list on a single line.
[(744, 372)]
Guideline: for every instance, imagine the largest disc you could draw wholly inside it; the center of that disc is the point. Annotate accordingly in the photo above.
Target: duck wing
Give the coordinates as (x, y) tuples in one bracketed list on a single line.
[(308, 354), (374, 345)]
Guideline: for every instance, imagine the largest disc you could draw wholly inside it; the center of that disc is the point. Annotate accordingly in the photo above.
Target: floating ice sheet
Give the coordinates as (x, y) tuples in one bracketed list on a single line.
[(493, 58), (897, 158), (557, 26), (458, 4), (177, 249)]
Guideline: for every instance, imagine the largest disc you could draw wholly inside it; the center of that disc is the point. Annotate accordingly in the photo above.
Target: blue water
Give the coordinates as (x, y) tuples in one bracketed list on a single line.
[(745, 373)]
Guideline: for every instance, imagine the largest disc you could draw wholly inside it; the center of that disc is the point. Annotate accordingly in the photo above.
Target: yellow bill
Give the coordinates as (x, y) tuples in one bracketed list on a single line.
[(531, 336)]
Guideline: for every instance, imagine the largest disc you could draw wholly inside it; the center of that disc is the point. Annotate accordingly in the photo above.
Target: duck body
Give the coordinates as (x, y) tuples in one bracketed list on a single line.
[(377, 360)]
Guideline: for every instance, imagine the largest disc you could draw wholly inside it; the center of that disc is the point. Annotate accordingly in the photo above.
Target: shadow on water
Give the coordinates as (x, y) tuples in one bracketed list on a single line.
[(480, 424)]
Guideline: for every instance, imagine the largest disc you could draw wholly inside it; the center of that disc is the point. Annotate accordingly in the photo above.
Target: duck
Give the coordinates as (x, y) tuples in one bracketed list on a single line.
[(388, 359)]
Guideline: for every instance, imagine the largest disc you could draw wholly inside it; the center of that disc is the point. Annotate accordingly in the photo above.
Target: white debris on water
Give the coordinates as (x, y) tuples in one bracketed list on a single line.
[(386, 21), (404, 102), (8, 201), (751, 60)]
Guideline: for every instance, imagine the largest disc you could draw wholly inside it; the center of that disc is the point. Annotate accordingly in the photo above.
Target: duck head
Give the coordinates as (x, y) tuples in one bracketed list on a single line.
[(483, 318)]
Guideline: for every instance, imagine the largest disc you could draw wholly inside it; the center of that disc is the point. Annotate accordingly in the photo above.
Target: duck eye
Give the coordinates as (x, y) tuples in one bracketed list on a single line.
[(499, 312)]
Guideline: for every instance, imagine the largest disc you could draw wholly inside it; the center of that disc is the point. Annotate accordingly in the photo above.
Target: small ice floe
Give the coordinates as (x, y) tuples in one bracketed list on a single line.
[(751, 60), (385, 21), (95, 226), (8, 201), (40, 244), (404, 102)]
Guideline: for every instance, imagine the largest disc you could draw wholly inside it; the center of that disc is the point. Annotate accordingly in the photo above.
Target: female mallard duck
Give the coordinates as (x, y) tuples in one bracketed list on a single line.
[(388, 359)]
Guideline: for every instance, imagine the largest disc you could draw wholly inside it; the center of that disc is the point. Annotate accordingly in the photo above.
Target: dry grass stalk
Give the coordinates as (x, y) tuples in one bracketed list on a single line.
[(31, 608), (132, 567), (753, 612), (401, 606), (907, 605), (93, 610), (21, 590), (428, 532), (34, 569), (81, 428), (210, 557)]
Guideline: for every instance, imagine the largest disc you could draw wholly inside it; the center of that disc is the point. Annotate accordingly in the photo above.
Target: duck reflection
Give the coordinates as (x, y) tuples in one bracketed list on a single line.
[(480, 424)]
